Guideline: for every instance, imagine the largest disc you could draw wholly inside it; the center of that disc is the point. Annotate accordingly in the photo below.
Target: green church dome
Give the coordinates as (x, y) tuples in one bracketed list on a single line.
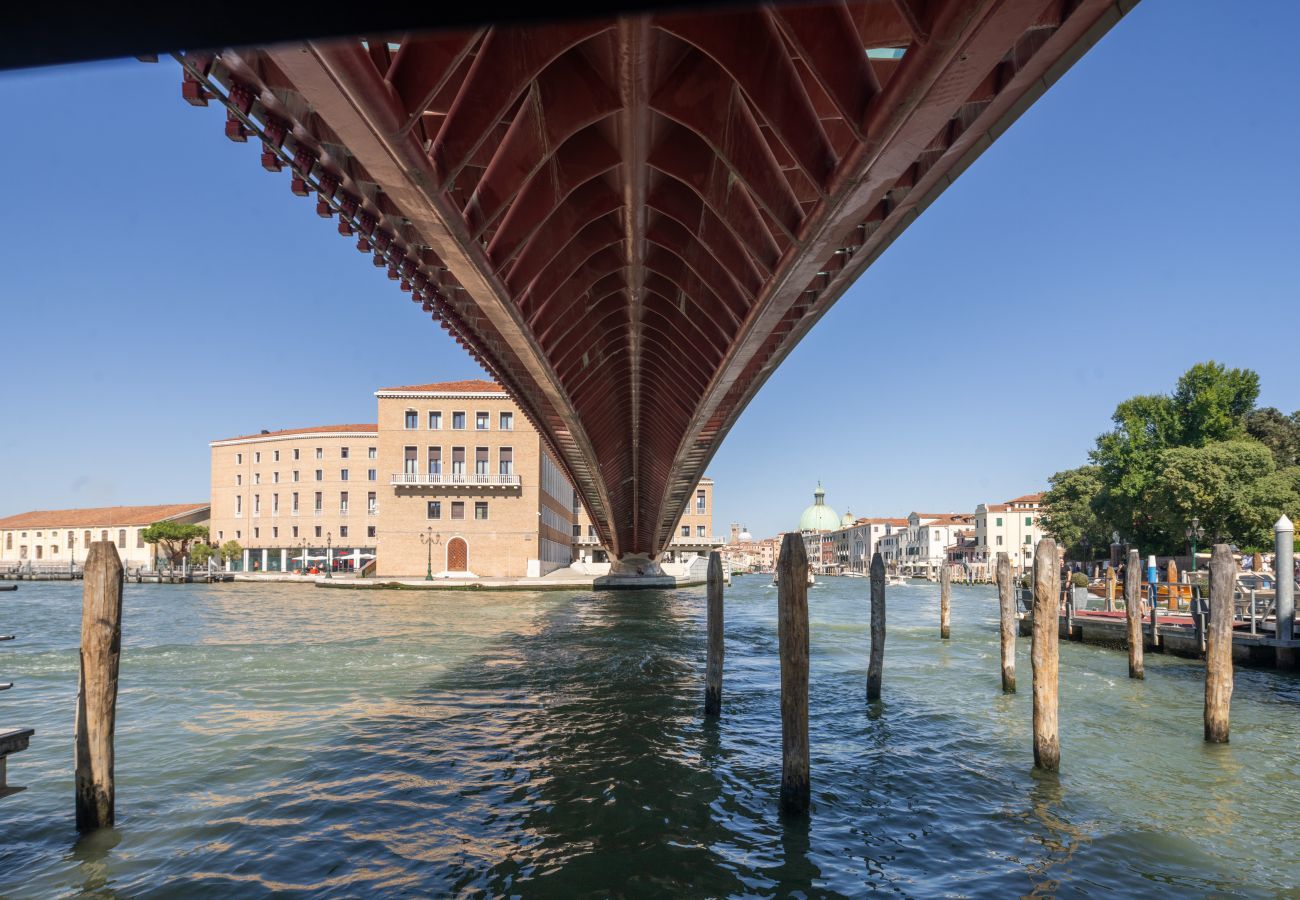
[(819, 516)]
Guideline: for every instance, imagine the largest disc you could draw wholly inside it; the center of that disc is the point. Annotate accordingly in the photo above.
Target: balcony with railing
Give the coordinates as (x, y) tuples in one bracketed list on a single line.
[(454, 479)]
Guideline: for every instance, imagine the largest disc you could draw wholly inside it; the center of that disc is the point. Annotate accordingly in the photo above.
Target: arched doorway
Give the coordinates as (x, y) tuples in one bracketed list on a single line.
[(457, 555)]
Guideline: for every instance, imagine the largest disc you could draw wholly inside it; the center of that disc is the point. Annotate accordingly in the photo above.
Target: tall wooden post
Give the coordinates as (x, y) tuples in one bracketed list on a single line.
[(876, 663), (1133, 614), (1007, 612), (713, 668), (101, 647), (792, 629), (1110, 589), (945, 600), (1218, 645), (1045, 655)]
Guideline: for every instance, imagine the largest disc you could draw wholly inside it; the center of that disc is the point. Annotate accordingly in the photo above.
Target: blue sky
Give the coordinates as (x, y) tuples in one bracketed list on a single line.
[(158, 289)]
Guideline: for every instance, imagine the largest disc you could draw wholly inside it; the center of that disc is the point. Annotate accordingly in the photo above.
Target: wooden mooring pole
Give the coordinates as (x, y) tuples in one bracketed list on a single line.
[(1133, 613), (1007, 612), (101, 648), (945, 601), (876, 662), (713, 667), (1218, 644), (1045, 655), (792, 630)]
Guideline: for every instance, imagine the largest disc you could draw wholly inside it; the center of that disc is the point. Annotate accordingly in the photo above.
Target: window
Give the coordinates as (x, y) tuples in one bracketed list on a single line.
[(320, 452), (480, 510), (295, 454), (480, 460), (999, 540), (1029, 521), (239, 459), (319, 500), (699, 531), (257, 456), (372, 453), (370, 531), (275, 531), (238, 534), (275, 478), (371, 503), (999, 521), (295, 531), (435, 460), (343, 453), (103, 535), (257, 478), (507, 421), (480, 421), (239, 479), (343, 531), (275, 456), (343, 474), (343, 502), (435, 421), (412, 419), (458, 421), (435, 509), (700, 501), (317, 531), (408, 461), (320, 474), (1027, 540), (275, 504), (121, 538), (294, 507), (39, 551), (458, 509), (257, 504), (295, 474), (577, 531), (239, 510), (372, 474), (686, 531), (457, 461), (86, 538)]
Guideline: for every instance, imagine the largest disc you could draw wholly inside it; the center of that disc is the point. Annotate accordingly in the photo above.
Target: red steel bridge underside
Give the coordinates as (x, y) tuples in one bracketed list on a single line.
[(629, 222)]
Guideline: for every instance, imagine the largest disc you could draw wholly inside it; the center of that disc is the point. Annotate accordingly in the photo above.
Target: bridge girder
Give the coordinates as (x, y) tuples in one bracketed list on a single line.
[(630, 222)]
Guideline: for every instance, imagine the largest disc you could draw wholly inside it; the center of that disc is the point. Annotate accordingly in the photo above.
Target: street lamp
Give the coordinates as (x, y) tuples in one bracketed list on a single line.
[(1194, 533), (329, 554), (429, 539)]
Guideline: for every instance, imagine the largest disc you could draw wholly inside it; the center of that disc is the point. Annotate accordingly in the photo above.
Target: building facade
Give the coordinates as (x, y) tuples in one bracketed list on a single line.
[(1013, 528), (64, 536), (450, 481)]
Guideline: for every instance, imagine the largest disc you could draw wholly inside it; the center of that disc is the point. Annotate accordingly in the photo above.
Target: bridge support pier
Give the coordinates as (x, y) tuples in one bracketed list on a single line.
[(633, 571)]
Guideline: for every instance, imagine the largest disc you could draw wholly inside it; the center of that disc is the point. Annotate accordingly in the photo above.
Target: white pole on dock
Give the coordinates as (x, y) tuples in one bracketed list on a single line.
[(1284, 578)]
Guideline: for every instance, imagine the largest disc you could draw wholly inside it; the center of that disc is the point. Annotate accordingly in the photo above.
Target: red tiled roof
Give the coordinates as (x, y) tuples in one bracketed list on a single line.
[(1028, 498), (314, 429), (472, 386), (103, 515)]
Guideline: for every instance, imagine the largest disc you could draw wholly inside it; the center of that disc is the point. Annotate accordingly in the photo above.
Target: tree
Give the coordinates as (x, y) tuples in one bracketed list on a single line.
[(1068, 513), (201, 553), (1279, 432), (231, 551), (174, 538), (1212, 402)]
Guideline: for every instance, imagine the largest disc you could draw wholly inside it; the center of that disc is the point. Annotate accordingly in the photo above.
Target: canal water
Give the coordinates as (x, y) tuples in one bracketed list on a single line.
[(292, 741)]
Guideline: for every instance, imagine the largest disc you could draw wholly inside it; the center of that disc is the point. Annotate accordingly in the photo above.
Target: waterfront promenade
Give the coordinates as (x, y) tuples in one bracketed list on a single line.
[(281, 741)]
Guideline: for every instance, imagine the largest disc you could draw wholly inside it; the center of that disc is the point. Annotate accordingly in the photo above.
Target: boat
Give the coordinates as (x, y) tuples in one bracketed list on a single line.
[(8, 587), (854, 575), (895, 580)]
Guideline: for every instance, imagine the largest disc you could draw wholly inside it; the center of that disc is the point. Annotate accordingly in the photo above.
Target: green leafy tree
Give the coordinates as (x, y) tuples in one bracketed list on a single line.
[(1212, 402), (173, 539), (1069, 515), (201, 553), (231, 551), (1279, 432)]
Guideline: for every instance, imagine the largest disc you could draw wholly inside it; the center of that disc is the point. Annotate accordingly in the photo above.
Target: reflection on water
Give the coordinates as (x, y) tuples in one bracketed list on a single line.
[(281, 739)]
